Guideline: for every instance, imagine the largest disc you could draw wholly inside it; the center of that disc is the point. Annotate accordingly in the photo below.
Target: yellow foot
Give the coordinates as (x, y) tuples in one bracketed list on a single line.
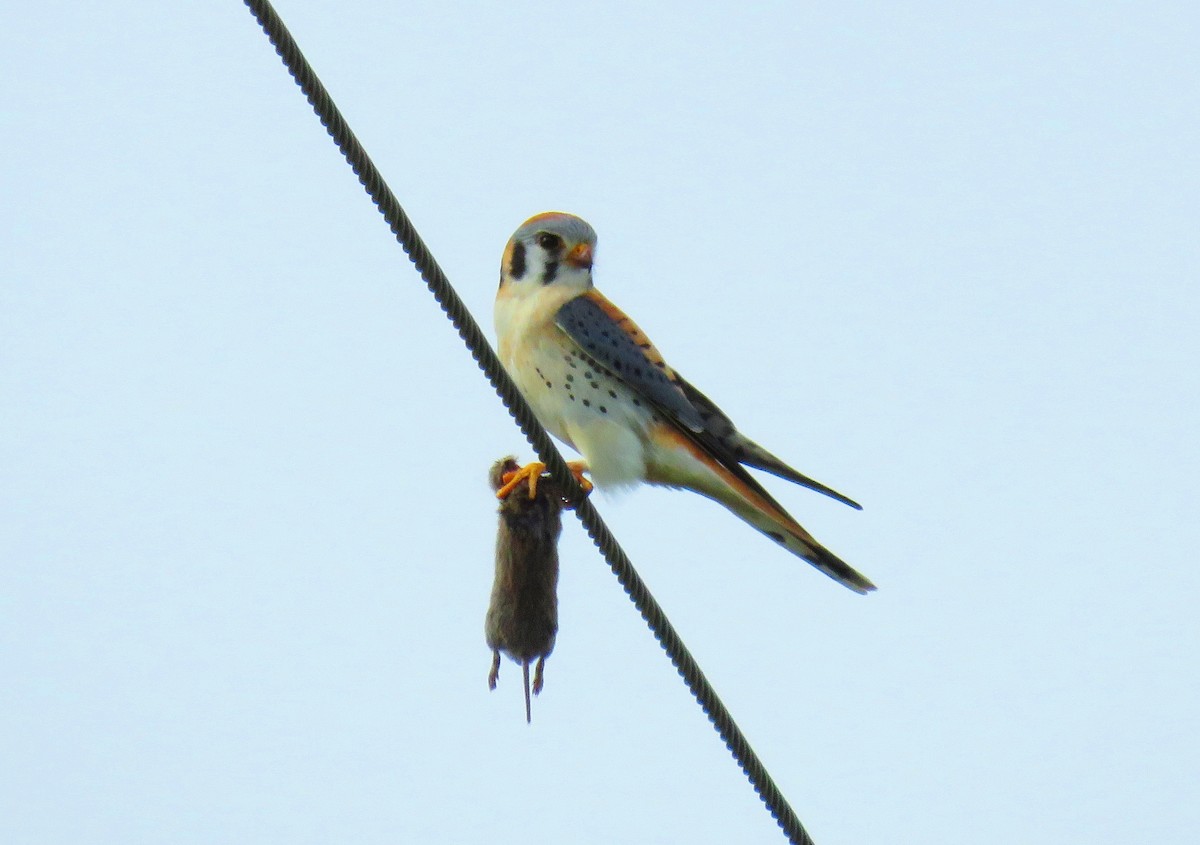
[(531, 471), (578, 468)]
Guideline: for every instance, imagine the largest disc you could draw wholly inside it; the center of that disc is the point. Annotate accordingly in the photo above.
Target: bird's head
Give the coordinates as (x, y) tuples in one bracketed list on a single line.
[(553, 248)]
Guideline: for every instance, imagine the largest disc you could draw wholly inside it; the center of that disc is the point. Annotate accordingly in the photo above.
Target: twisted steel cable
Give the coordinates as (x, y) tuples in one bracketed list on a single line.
[(485, 356)]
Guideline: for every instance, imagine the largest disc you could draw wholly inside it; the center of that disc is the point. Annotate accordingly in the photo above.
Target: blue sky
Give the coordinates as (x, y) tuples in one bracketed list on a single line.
[(941, 257)]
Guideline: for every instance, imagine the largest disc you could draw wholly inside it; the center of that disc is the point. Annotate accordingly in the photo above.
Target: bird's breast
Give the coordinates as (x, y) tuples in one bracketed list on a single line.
[(577, 401)]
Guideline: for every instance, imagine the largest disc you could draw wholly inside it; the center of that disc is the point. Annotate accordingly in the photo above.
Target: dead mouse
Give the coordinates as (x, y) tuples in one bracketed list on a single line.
[(522, 618)]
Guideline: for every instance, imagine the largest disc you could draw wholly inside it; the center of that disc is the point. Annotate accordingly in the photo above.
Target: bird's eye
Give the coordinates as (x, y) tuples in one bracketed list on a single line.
[(549, 242)]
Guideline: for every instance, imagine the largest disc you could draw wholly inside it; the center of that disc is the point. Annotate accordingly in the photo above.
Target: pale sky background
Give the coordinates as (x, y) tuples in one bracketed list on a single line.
[(942, 257)]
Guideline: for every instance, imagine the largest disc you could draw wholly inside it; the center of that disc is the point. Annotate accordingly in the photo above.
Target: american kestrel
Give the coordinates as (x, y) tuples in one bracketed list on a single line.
[(596, 382)]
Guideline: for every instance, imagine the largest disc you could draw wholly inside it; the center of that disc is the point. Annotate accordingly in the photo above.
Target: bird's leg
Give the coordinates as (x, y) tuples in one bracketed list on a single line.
[(532, 471), (578, 468)]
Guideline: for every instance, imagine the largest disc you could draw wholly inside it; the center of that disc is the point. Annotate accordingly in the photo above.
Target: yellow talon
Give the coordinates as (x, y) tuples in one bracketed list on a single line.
[(578, 468), (532, 471)]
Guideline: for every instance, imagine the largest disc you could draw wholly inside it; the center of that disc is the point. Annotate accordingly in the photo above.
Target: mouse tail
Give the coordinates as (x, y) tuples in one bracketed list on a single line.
[(528, 711)]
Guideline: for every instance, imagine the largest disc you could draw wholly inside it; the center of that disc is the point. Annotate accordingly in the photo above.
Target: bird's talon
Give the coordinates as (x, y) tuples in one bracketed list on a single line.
[(532, 471), (578, 468)]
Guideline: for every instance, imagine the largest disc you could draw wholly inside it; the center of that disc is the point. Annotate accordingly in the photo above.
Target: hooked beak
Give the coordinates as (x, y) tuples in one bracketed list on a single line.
[(581, 256)]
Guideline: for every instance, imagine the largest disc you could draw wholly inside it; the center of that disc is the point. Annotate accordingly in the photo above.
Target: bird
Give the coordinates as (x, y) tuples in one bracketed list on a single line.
[(596, 382)]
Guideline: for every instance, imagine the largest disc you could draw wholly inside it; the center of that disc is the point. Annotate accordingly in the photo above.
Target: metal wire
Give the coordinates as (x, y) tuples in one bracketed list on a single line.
[(486, 357)]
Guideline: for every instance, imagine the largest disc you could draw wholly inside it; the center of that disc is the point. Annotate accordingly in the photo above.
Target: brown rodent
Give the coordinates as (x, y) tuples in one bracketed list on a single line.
[(522, 618)]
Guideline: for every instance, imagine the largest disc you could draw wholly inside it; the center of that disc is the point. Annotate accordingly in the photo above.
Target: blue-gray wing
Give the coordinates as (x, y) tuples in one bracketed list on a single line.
[(614, 343)]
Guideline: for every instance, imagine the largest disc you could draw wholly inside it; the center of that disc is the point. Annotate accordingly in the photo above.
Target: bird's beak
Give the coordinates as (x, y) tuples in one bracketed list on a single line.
[(581, 256)]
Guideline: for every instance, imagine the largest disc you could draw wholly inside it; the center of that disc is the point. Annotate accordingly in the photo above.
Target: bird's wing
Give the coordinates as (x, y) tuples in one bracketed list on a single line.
[(746, 451), (615, 343)]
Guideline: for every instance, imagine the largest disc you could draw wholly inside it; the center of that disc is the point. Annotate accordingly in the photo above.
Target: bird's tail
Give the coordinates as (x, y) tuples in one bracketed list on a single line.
[(777, 524), (686, 462), (754, 505)]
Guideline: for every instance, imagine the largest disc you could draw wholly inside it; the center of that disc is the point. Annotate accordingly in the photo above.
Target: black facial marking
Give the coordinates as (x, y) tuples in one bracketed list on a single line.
[(551, 272), (516, 267)]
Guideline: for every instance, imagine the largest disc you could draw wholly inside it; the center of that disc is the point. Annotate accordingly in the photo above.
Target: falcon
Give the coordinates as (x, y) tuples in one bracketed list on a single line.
[(597, 383)]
